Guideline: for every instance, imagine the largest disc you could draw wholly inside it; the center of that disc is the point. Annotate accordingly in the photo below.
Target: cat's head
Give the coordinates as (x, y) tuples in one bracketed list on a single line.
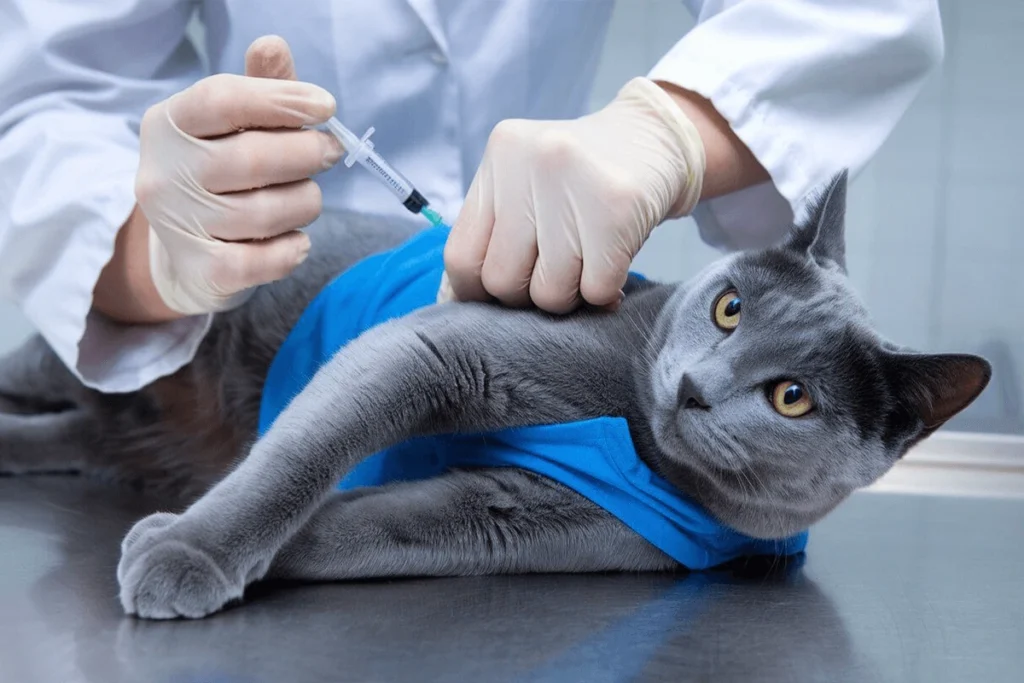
[(773, 398)]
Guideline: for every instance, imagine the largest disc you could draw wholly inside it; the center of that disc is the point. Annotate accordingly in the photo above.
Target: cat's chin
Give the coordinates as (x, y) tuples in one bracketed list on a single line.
[(697, 467)]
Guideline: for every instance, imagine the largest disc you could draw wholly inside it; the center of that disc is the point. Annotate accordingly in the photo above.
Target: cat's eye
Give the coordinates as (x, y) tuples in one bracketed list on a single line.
[(726, 312), (790, 399)]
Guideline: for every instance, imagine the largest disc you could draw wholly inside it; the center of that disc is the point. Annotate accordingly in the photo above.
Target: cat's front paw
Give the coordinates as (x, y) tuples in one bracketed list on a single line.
[(165, 576), (138, 537)]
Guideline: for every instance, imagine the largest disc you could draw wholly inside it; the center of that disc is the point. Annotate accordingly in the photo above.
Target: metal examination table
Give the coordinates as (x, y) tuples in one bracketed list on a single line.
[(893, 588)]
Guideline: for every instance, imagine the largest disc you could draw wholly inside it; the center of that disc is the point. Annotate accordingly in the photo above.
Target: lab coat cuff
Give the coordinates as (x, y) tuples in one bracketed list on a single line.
[(104, 355), (750, 118), (775, 147), (116, 358)]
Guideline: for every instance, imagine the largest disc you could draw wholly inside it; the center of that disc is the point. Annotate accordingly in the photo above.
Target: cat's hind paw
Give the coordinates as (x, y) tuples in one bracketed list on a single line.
[(162, 576)]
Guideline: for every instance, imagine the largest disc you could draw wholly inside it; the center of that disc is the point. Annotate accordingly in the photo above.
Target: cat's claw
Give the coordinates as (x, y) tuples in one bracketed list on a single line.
[(163, 576)]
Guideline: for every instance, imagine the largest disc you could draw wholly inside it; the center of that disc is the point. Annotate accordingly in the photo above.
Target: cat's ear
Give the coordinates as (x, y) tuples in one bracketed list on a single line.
[(932, 388), (823, 235)]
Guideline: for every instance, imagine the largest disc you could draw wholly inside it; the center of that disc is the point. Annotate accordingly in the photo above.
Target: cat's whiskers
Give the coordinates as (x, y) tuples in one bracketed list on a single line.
[(751, 486), (730, 446), (768, 499), (645, 330), (744, 482), (748, 474)]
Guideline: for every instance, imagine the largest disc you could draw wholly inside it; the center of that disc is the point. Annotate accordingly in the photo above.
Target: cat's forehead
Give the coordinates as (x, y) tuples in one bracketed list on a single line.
[(764, 273), (793, 300), (791, 287)]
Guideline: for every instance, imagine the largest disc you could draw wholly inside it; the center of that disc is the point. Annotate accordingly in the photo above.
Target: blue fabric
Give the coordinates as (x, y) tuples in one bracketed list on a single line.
[(593, 457)]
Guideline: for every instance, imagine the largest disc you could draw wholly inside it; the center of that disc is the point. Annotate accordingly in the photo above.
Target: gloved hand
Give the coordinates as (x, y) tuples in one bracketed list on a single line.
[(559, 209), (224, 180)]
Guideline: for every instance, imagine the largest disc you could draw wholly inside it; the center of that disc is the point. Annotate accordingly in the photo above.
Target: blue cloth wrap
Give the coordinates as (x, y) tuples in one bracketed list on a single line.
[(594, 457)]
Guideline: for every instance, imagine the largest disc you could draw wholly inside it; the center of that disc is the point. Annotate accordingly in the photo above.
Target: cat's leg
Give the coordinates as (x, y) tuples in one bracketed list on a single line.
[(474, 369), (489, 521)]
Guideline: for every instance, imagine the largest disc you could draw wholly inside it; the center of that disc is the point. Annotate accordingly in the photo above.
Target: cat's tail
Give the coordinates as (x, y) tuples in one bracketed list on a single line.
[(45, 425), (172, 436)]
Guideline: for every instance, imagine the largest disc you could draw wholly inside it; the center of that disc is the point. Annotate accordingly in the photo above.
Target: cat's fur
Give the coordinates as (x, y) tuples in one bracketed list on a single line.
[(694, 397)]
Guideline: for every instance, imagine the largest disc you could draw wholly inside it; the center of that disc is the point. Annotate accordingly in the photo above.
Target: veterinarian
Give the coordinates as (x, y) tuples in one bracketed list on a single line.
[(119, 244)]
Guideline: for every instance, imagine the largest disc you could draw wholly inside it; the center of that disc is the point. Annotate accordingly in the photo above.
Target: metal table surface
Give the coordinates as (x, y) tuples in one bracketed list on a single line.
[(893, 588)]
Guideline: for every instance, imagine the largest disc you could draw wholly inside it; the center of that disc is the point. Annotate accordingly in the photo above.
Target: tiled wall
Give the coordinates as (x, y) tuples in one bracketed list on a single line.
[(936, 222)]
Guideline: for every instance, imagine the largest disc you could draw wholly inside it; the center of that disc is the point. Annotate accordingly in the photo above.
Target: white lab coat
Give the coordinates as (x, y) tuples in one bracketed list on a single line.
[(811, 86)]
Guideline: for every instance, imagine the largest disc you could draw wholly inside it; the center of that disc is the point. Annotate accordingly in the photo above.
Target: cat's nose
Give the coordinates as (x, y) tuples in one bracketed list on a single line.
[(690, 394)]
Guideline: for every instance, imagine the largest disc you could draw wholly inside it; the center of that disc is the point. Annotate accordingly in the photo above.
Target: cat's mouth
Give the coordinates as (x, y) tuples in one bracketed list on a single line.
[(687, 436), (687, 433)]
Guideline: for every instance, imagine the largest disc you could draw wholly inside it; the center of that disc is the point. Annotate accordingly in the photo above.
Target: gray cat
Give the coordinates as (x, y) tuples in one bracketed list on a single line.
[(758, 389)]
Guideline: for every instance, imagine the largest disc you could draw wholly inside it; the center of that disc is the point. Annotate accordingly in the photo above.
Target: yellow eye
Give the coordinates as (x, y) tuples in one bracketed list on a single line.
[(790, 399), (726, 313)]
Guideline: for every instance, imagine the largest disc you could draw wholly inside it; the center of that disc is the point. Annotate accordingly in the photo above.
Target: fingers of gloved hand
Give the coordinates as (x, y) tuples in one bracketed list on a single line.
[(270, 57), (267, 212), (258, 158), (226, 103), (555, 284), (242, 265), (508, 265), (218, 276), (512, 249), (466, 247), (578, 196), (604, 275)]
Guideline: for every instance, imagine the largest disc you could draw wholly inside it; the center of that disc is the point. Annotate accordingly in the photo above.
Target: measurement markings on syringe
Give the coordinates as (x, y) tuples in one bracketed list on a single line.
[(384, 174)]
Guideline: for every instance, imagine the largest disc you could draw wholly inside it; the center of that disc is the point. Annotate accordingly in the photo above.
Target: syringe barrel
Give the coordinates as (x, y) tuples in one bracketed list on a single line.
[(396, 182), (361, 150)]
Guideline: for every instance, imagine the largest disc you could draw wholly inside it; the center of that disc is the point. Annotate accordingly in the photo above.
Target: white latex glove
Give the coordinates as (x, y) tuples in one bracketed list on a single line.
[(224, 180), (559, 209)]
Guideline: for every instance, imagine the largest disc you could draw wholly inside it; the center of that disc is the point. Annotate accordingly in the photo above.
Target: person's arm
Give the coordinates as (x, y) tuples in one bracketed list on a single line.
[(729, 165), (73, 88), (125, 291), (810, 87)]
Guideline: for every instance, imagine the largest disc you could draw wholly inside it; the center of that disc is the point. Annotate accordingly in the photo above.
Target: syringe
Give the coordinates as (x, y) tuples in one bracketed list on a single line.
[(361, 150)]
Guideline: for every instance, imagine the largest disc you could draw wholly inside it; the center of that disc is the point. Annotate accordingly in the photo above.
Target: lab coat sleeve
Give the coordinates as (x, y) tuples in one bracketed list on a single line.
[(75, 80), (810, 86)]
